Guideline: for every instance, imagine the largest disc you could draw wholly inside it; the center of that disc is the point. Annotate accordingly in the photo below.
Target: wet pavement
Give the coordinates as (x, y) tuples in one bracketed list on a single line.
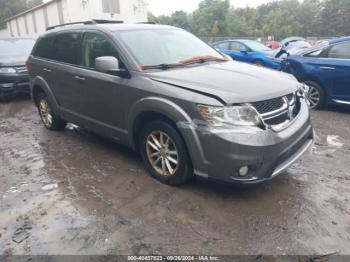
[(72, 192)]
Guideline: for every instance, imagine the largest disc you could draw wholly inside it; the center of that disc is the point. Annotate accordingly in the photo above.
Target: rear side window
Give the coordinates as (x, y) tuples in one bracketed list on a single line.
[(66, 48), (43, 48), (340, 51), (238, 47), (223, 46)]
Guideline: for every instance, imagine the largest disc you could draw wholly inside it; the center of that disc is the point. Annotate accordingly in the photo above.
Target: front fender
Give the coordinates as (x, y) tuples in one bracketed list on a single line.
[(39, 82), (175, 113)]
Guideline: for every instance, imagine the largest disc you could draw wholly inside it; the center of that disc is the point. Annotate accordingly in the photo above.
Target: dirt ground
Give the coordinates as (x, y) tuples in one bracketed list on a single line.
[(75, 193)]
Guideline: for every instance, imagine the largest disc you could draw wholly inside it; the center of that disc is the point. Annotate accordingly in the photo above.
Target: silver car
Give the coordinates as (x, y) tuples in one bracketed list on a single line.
[(185, 107)]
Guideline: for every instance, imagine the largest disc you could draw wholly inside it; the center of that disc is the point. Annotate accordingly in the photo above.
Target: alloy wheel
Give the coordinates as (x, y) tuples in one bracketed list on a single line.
[(162, 153), (45, 113), (313, 96)]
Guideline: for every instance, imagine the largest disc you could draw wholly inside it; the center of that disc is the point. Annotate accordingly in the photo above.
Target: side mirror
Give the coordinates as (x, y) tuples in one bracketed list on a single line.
[(110, 65)]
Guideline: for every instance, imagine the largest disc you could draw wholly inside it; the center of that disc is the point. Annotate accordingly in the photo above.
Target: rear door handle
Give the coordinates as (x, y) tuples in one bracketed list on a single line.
[(327, 67), (47, 70), (80, 78)]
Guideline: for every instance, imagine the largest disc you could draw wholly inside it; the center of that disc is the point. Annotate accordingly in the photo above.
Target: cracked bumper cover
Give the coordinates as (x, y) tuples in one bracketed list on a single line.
[(267, 153)]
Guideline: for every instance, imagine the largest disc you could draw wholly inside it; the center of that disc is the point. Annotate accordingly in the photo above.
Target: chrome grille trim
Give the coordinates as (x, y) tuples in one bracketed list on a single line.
[(279, 118)]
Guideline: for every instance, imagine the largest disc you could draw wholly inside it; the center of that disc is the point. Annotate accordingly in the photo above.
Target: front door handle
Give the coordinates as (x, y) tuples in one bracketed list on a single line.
[(327, 67), (47, 70), (80, 78)]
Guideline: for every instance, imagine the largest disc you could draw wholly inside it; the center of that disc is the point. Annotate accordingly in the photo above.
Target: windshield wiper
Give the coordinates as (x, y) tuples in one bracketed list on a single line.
[(161, 66), (202, 60), (192, 60)]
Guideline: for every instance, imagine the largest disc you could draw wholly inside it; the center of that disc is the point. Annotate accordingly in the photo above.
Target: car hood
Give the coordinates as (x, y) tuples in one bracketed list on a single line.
[(13, 60), (230, 82)]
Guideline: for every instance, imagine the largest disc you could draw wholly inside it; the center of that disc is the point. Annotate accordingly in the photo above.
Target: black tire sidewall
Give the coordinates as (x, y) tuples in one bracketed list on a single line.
[(4, 97), (258, 63), (185, 169), (320, 90)]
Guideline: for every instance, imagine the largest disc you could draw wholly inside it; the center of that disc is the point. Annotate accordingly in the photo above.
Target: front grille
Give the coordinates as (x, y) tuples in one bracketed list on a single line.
[(268, 105), (278, 110), (277, 120)]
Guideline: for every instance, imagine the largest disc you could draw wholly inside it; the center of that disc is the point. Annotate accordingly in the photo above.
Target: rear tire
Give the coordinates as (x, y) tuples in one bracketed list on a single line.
[(258, 63), (315, 95), (164, 153), (4, 97), (50, 120)]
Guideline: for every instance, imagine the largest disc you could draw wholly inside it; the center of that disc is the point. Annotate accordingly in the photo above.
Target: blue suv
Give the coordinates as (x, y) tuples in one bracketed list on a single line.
[(325, 69), (249, 51)]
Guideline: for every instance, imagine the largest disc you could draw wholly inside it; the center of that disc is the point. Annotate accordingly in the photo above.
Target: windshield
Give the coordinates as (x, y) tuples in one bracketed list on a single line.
[(155, 47), (16, 47), (256, 46)]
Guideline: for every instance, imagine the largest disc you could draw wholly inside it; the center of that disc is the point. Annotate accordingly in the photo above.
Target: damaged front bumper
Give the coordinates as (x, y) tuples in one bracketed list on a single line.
[(267, 153)]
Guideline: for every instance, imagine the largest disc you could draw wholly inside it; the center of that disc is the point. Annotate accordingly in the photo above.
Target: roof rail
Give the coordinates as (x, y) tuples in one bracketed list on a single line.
[(147, 23), (102, 21), (91, 22)]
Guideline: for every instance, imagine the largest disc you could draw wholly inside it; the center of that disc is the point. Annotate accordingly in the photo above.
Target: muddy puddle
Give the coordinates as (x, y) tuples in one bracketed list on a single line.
[(75, 193)]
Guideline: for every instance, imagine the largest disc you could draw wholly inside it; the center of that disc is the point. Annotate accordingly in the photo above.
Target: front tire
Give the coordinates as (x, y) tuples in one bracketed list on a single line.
[(315, 95), (50, 120), (164, 153)]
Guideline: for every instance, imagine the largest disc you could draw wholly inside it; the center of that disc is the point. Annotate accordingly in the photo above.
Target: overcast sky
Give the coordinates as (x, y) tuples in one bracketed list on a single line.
[(166, 7)]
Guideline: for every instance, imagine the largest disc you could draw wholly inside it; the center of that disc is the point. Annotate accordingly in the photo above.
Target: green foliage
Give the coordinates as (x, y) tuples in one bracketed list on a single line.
[(281, 19), (10, 8)]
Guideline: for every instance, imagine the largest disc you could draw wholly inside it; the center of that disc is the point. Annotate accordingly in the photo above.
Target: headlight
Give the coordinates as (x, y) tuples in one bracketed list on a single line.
[(7, 70), (303, 92), (243, 115)]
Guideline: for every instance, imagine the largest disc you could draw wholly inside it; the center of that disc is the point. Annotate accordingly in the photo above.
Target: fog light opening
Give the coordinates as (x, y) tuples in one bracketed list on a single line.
[(243, 171)]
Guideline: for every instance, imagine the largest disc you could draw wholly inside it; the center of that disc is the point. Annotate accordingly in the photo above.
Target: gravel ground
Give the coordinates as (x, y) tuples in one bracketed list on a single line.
[(75, 193)]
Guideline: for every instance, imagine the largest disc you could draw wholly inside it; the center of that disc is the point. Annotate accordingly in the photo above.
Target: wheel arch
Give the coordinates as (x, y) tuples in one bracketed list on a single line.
[(39, 85), (151, 108), (306, 78), (154, 108)]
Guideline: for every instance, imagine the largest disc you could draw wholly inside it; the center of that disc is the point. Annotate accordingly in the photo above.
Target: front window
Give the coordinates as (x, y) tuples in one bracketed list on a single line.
[(155, 47), (94, 46), (340, 51), (256, 46), (16, 47)]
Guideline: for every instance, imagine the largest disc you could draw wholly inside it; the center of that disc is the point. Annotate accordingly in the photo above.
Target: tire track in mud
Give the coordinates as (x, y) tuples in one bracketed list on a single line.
[(86, 195)]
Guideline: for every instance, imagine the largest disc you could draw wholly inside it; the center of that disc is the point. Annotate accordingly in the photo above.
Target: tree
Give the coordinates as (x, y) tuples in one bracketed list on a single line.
[(10, 8), (215, 30), (335, 16), (281, 18), (208, 13)]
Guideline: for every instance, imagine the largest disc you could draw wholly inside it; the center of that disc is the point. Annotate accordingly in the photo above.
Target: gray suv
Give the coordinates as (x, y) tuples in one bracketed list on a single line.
[(187, 109)]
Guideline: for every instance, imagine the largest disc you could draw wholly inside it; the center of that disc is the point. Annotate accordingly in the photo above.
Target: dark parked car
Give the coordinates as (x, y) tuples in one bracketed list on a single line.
[(249, 51), (325, 69), (184, 106), (14, 79)]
